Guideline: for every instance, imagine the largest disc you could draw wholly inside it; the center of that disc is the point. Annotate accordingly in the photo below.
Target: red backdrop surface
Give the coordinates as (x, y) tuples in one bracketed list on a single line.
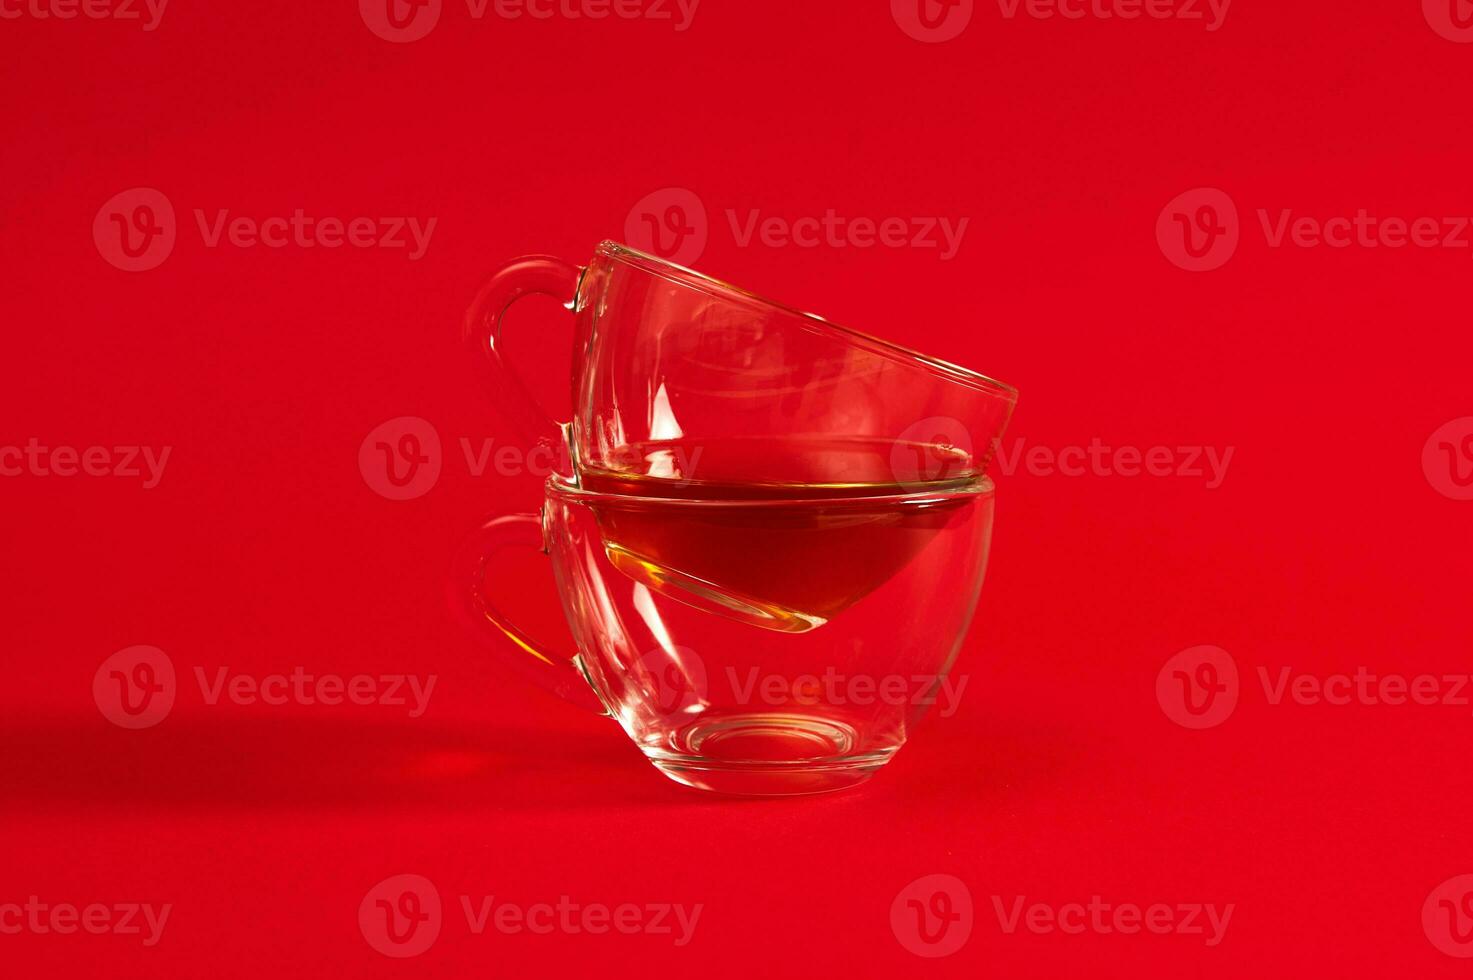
[(1334, 540)]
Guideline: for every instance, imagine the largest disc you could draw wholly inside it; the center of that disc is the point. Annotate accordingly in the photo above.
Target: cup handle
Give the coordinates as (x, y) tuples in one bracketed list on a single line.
[(556, 672), (543, 274)]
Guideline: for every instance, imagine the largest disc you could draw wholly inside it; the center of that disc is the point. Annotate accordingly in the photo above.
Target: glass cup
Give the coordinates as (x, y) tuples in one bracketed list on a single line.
[(764, 646), (685, 385)]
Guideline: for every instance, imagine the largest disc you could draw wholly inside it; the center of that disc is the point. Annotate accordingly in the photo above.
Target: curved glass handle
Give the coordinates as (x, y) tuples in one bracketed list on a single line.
[(533, 274), (556, 672)]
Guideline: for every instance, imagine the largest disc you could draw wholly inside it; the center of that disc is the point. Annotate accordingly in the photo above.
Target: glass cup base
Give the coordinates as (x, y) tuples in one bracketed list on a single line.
[(766, 754)]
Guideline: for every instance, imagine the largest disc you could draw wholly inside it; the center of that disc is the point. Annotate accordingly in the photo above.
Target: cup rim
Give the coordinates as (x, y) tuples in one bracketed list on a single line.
[(683, 276), (561, 487)]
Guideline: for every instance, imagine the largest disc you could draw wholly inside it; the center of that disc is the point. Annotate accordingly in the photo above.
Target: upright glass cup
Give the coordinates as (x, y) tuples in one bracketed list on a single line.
[(685, 384), (765, 646)]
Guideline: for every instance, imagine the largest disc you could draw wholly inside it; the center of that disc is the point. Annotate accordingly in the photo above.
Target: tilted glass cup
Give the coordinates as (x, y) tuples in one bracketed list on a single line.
[(684, 384), (764, 646)]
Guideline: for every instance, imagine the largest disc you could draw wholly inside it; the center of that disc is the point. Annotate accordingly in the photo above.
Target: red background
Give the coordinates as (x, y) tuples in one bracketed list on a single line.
[(262, 548)]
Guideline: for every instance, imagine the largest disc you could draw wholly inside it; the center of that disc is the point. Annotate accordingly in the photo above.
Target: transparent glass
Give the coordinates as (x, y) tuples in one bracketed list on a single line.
[(682, 383), (762, 645)]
